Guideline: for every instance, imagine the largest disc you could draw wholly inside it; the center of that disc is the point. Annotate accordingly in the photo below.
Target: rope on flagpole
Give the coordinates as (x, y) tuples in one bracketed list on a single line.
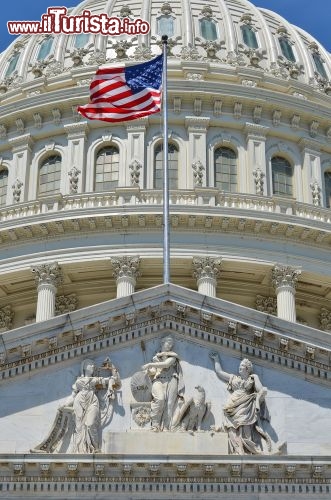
[(166, 225)]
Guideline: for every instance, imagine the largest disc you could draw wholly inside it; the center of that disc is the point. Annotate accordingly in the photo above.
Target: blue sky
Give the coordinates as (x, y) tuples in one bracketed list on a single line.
[(314, 17)]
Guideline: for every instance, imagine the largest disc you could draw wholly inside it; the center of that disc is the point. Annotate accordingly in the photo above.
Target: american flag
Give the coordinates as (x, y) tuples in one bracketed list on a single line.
[(123, 94)]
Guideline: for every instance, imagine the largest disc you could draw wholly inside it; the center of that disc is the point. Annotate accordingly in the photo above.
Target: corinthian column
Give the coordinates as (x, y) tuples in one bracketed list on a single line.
[(126, 272), (284, 279), (206, 270), (47, 278)]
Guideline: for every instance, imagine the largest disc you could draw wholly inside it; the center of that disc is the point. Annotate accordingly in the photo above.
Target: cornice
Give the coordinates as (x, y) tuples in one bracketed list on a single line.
[(214, 323), (104, 474), (201, 209)]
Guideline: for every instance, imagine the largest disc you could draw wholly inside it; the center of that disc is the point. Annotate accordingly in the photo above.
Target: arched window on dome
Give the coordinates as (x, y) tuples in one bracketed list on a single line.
[(208, 29), (50, 175), (286, 49), (165, 26), (3, 186), (225, 169), (319, 65), (12, 64), (45, 48), (282, 176), (327, 188), (107, 169), (172, 166), (81, 40), (249, 36)]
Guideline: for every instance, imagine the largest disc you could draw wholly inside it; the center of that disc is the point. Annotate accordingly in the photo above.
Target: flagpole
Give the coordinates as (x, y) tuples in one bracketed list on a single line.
[(166, 227)]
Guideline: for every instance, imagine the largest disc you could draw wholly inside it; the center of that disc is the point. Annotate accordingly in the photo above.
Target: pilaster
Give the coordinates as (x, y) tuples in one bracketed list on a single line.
[(197, 132), (77, 137)]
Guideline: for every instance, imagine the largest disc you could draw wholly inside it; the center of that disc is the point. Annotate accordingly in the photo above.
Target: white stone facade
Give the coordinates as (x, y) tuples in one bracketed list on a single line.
[(81, 250)]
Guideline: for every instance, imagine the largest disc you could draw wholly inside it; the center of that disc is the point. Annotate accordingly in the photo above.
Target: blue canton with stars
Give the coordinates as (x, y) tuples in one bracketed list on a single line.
[(148, 74)]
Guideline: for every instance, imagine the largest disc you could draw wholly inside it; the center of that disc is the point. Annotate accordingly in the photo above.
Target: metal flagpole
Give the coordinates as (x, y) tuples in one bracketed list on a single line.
[(166, 229)]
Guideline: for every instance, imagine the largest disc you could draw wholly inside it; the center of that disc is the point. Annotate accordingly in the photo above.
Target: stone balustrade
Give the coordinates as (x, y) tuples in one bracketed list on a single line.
[(196, 197)]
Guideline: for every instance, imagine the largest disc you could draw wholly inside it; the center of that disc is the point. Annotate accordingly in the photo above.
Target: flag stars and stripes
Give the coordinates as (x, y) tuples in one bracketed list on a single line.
[(122, 94)]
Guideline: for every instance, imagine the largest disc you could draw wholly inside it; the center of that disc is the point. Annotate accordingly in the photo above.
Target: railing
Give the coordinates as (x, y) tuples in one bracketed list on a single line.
[(127, 197)]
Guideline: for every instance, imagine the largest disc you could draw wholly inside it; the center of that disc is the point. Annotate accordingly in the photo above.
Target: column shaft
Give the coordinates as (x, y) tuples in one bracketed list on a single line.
[(46, 302), (286, 303)]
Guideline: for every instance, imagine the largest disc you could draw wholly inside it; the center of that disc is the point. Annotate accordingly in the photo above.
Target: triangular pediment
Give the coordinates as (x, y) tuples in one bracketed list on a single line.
[(44, 360)]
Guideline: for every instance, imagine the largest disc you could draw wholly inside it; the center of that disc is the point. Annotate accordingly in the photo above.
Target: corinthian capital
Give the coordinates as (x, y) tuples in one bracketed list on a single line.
[(125, 267), (285, 276), (48, 274), (206, 267)]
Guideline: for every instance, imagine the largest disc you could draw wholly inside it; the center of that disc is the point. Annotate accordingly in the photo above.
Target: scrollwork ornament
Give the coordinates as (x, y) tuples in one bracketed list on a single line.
[(142, 52), (198, 170), (316, 193), (73, 179), (17, 190), (135, 167)]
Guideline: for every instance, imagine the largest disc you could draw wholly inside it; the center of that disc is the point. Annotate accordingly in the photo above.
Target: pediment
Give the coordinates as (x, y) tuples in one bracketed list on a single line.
[(36, 381), (148, 314)]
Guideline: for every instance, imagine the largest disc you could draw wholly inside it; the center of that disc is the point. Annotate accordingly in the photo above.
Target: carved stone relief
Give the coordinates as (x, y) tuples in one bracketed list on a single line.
[(89, 408), (245, 412)]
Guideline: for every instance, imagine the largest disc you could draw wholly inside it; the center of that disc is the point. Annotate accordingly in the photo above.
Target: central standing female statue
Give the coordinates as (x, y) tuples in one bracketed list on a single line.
[(167, 385)]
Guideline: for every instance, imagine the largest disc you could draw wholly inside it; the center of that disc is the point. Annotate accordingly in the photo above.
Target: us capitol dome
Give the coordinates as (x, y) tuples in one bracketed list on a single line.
[(249, 150)]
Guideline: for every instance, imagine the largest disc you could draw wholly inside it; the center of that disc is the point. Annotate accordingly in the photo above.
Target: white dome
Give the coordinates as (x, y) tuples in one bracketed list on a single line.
[(228, 36)]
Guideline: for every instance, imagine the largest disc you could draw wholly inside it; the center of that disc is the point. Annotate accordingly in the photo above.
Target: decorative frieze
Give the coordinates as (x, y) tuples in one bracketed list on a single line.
[(65, 303), (266, 305), (6, 318), (325, 319)]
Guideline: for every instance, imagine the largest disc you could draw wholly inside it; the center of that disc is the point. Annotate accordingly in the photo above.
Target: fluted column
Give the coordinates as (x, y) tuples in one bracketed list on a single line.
[(126, 272), (206, 270), (47, 278), (284, 279)]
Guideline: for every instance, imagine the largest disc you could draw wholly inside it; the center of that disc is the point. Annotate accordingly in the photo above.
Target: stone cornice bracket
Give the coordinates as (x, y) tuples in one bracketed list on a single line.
[(206, 267), (138, 126), (24, 141), (48, 274), (195, 123), (255, 131), (285, 276), (77, 129)]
